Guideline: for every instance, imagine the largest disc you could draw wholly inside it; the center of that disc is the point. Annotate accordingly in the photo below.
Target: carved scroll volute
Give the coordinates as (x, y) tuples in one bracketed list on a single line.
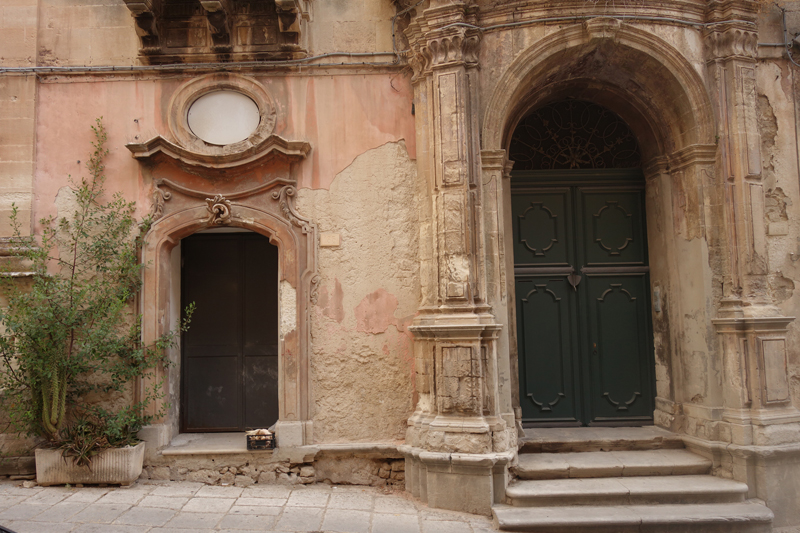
[(159, 197), (284, 198), (219, 210)]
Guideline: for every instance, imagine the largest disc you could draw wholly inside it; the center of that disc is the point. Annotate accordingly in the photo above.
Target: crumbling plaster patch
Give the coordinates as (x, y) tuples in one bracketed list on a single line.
[(362, 365), (288, 308)]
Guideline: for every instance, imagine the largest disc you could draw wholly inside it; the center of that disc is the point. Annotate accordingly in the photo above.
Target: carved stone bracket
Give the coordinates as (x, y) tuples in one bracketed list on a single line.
[(146, 14), (159, 197), (284, 198), (219, 210), (218, 13), (288, 15), (201, 31)]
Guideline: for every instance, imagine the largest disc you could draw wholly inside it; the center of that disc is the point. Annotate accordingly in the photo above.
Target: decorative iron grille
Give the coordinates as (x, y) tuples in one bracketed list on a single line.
[(573, 134)]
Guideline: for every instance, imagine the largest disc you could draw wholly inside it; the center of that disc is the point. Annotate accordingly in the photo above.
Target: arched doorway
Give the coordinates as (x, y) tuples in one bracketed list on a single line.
[(581, 270), (229, 359)]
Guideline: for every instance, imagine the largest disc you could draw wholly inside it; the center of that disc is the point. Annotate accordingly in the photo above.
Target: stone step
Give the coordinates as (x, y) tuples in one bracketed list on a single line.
[(625, 491), (560, 440), (704, 518), (611, 464)]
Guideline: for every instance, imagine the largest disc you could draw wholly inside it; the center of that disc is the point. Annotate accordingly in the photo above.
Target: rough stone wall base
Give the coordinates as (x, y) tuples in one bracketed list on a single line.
[(353, 464)]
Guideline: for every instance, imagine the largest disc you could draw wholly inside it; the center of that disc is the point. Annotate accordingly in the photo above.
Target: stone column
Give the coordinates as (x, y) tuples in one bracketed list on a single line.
[(750, 326), (759, 421), (458, 446)]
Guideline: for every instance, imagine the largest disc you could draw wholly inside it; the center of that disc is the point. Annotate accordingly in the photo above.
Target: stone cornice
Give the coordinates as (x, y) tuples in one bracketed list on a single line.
[(695, 154), (524, 10), (272, 147), (740, 10)]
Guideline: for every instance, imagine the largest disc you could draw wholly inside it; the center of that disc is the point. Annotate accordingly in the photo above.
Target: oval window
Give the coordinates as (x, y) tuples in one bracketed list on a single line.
[(223, 117)]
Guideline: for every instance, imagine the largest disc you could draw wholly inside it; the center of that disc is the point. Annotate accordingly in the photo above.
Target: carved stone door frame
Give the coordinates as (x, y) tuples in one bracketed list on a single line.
[(269, 211), (246, 184)]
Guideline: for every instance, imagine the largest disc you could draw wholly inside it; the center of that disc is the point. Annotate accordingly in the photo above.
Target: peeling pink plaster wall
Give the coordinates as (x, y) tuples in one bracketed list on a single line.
[(341, 116)]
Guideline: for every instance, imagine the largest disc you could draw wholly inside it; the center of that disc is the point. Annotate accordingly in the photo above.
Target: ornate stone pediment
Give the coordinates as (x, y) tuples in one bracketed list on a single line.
[(270, 148)]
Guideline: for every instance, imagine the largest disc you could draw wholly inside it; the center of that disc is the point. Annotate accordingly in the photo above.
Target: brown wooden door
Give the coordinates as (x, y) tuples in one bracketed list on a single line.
[(229, 365)]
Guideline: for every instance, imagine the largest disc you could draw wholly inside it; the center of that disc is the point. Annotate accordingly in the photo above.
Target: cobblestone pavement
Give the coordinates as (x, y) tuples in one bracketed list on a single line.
[(182, 507)]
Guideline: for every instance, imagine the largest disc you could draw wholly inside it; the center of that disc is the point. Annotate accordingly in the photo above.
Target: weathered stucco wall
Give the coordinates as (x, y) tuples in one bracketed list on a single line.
[(363, 360), (340, 116), (101, 32), (351, 26), (359, 182), (95, 32)]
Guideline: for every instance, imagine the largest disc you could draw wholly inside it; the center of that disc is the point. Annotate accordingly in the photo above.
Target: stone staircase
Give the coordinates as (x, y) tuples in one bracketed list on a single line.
[(622, 480)]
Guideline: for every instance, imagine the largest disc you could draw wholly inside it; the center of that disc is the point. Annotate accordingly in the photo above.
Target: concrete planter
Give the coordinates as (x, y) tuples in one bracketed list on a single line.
[(117, 466)]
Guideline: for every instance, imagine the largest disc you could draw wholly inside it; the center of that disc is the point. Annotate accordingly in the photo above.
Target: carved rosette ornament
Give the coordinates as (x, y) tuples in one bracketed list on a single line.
[(219, 210)]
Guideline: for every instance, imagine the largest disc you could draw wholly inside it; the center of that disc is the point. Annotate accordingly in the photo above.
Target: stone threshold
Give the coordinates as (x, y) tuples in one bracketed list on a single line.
[(210, 444), (235, 444), (589, 439)]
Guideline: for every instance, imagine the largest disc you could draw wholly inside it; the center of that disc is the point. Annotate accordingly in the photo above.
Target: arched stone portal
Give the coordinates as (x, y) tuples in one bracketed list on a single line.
[(693, 113), (662, 97), (713, 322)]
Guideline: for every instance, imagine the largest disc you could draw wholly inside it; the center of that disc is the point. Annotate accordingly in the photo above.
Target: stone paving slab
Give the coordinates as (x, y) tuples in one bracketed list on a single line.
[(182, 507)]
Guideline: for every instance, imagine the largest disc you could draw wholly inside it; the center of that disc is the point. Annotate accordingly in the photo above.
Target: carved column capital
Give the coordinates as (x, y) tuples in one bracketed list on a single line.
[(457, 46), (731, 41)]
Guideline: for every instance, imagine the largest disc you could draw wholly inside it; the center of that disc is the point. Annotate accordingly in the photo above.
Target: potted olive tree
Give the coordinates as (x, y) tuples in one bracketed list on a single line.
[(71, 347)]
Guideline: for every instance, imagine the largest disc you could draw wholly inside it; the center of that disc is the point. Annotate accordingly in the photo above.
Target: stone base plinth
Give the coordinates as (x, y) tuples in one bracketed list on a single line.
[(772, 473), (469, 483)]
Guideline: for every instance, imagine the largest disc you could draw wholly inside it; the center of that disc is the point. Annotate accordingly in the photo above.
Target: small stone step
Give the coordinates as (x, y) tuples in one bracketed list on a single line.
[(707, 518), (562, 440), (625, 491), (611, 464)]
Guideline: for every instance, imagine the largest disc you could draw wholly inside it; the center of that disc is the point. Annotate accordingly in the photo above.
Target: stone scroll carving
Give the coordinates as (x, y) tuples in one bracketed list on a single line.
[(159, 197), (284, 198), (219, 210)]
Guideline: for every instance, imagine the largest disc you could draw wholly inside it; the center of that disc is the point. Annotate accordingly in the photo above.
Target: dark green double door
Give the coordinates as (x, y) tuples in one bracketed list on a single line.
[(582, 295)]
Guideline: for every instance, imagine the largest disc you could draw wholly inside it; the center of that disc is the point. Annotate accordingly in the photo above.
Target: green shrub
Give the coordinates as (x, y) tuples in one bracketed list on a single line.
[(72, 343)]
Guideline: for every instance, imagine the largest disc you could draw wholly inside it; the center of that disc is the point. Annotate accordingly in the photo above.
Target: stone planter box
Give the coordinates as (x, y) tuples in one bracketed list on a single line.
[(114, 466)]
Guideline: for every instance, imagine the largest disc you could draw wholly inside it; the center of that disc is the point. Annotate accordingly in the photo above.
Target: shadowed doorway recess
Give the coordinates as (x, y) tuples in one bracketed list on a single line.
[(230, 353), (581, 269)]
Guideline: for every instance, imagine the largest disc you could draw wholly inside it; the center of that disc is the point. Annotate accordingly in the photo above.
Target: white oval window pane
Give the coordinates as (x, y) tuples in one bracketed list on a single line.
[(223, 117)]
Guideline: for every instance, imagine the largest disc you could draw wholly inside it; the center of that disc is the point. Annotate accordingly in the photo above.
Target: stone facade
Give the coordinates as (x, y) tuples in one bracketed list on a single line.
[(380, 170)]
